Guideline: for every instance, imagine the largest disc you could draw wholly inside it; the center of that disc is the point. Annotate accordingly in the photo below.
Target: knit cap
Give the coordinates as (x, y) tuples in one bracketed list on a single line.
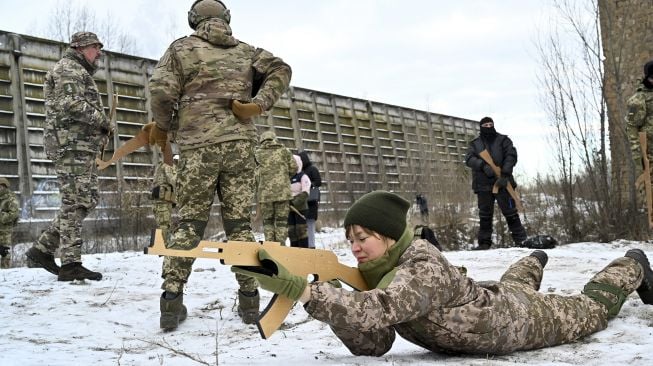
[(380, 211)]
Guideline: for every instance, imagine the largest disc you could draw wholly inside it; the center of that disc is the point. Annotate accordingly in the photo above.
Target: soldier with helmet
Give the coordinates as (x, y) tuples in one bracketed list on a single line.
[(9, 213), (640, 116), (76, 128), (275, 166), (218, 84)]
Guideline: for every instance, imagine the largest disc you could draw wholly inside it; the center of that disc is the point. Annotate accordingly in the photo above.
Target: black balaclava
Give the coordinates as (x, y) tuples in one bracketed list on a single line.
[(488, 133), (648, 71)]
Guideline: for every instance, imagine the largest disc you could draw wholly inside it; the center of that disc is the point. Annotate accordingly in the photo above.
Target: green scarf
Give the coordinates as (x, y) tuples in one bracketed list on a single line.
[(379, 272)]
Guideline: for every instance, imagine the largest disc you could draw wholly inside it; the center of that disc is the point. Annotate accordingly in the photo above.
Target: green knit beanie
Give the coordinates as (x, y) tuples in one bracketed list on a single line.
[(380, 211)]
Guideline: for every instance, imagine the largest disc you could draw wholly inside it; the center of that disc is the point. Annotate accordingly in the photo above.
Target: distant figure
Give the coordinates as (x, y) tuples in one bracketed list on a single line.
[(313, 197), (504, 155), (300, 185), (423, 205), (275, 166), (164, 196), (75, 131), (9, 213)]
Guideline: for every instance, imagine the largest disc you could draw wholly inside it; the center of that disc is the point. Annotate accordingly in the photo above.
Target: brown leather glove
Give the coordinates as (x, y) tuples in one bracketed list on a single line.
[(245, 111), (156, 135)]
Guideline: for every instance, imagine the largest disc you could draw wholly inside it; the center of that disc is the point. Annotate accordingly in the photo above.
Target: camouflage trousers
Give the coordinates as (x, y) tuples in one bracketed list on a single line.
[(78, 188), (227, 168), (163, 216), (298, 229), (5, 240), (275, 220), (533, 320)]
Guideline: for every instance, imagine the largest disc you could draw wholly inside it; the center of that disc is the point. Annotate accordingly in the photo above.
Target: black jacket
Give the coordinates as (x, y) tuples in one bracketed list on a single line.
[(504, 155), (316, 180)]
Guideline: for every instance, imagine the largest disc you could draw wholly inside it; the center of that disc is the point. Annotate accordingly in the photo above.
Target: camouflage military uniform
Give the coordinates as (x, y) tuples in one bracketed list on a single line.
[(275, 166), (432, 304), (640, 119), (9, 213), (75, 130), (165, 179), (201, 74)]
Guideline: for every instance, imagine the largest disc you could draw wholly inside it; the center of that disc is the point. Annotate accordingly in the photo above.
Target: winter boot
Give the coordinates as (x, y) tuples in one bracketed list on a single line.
[(645, 290), (482, 246), (541, 256), (173, 311), (248, 303), (75, 271), (38, 259)]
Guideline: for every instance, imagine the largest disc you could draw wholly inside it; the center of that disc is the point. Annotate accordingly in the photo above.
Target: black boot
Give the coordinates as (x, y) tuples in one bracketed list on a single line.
[(38, 259), (75, 271), (482, 246), (645, 290), (541, 256), (248, 304), (173, 311)]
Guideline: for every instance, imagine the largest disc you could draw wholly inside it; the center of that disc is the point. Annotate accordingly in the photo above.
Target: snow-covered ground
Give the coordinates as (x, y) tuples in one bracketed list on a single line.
[(116, 321)]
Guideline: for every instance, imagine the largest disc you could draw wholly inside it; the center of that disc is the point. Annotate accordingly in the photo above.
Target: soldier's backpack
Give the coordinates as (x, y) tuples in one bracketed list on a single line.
[(426, 233), (540, 242)]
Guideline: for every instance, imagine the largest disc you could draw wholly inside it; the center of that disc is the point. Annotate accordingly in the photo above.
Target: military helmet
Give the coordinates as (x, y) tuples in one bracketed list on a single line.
[(267, 135), (4, 182), (206, 9), (81, 39)]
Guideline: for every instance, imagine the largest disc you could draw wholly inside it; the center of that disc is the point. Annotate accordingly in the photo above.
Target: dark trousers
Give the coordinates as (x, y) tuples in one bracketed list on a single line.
[(509, 211)]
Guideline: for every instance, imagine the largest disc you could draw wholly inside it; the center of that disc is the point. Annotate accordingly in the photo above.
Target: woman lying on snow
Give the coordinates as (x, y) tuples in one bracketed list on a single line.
[(420, 295)]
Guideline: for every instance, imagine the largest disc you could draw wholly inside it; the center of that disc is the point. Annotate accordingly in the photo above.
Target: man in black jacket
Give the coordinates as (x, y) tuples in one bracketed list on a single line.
[(314, 199), (504, 155)]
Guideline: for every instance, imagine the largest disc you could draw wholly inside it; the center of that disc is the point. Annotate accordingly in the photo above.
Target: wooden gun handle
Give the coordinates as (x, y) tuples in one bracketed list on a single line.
[(272, 317)]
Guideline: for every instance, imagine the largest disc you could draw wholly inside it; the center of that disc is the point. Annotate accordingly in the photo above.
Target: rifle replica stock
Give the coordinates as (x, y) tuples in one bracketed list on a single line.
[(322, 264), (645, 177), (141, 139), (485, 155)]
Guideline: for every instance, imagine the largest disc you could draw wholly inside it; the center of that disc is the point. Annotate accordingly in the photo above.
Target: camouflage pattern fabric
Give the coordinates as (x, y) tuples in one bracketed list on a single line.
[(275, 165), (202, 73), (9, 214), (164, 175), (74, 114), (275, 217), (228, 168), (81, 39), (75, 130), (78, 188), (640, 119), (298, 229), (432, 304)]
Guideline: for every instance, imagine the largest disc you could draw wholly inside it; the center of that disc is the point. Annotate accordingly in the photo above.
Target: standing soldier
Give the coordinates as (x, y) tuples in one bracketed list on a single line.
[(504, 155), (75, 130), (640, 116), (300, 186), (275, 166), (9, 211), (163, 195), (218, 84)]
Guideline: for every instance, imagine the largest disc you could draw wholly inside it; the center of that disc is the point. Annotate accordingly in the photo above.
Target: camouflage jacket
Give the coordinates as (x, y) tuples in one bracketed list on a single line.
[(638, 119), (430, 303), (275, 166), (74, 114), (199, 75), (9, 209)]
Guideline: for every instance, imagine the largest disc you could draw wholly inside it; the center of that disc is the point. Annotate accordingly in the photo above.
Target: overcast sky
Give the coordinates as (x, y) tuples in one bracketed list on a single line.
[(466, 58)]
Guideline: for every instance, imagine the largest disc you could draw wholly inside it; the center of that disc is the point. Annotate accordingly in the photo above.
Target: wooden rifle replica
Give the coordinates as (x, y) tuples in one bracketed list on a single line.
[(645, 177), (485, 155), (322, 264), (141, 139)]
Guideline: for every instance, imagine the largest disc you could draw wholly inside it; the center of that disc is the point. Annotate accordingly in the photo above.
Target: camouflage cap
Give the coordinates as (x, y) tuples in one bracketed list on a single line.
[(4, 182), (81, 39)]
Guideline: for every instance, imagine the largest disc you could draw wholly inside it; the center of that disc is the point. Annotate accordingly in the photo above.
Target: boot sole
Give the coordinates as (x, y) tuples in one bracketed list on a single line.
[(645, 290)]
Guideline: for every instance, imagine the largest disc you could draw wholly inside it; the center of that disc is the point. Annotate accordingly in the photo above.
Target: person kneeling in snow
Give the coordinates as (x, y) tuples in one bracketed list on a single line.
[(417, 293)]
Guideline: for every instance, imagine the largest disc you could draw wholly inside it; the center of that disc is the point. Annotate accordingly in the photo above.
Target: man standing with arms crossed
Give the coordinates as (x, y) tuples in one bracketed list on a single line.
[(218, 84), (75, 130)]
